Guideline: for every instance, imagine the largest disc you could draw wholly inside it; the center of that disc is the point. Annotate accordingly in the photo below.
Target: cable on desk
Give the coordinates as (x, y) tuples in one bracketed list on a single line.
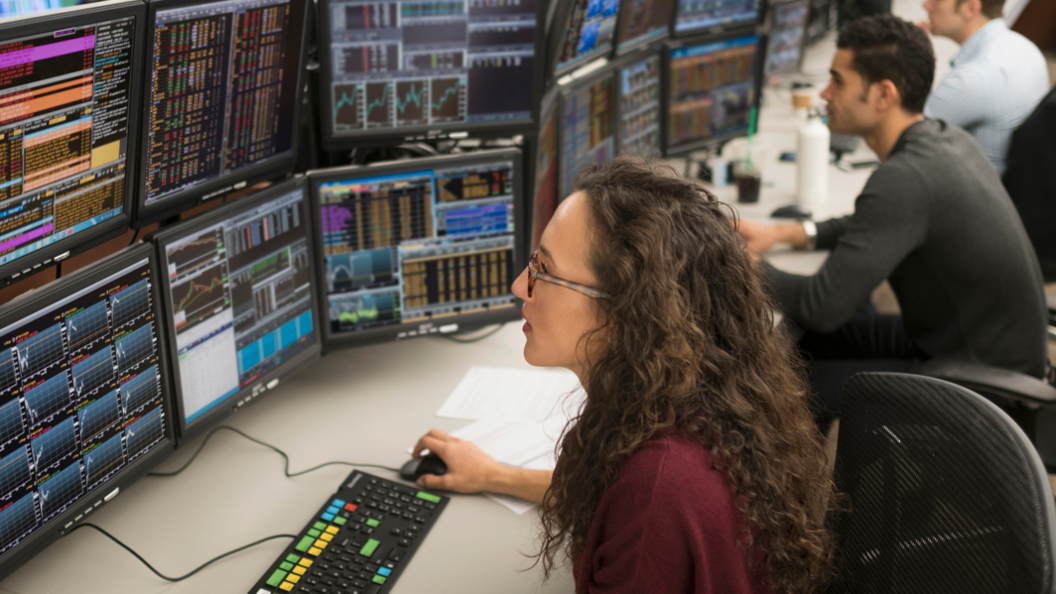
[(475, 338), (182, 577), (267, 445)]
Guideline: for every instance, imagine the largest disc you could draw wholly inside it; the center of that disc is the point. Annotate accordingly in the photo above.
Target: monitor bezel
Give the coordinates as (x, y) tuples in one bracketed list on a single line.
[(776, 5), (627, 60), (259, 387), (672, 45), (392, 136), (551, 99), (78, 16), (177, 202), (566, 90), (339, 340), (564, 14), (721, 28), (27, 305), (623, 48)]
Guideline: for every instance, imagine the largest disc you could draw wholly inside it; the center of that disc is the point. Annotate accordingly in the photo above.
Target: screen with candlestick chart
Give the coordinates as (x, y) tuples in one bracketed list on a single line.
[(239, 297), (405, 65), (409, 248)]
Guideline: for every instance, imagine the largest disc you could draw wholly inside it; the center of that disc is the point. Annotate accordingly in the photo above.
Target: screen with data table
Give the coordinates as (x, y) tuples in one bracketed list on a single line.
[(643, 21), (68, 104), (588, 127), (222, 96), (403, 66), (417, 246), (589, 32), (239, 297), (699, 15), (639, 126), (80, 393)]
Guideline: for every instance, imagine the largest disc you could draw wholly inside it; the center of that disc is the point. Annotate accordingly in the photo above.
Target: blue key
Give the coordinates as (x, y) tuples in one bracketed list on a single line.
[(328, 517), (339, 503), (332, 510), (385, 571)]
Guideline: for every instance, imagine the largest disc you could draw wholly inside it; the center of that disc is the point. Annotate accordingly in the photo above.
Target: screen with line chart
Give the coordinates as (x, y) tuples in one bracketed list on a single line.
[(411, 248), (223, 94), (80, 396), (67, 109), (239, 296), (403, 65)]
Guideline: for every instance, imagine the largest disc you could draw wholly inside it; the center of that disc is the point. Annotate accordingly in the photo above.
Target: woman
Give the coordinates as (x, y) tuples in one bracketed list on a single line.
[(694, 465)]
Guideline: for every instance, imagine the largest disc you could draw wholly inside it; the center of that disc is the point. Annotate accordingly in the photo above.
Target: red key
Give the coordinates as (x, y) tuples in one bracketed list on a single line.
[(350, 507)]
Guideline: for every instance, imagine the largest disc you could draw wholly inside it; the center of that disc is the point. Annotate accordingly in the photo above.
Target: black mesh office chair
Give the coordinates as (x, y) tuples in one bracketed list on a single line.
[(945, 493)]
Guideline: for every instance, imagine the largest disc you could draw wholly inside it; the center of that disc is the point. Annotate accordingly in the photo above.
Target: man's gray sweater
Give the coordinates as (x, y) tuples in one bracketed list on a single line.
[(936, 222)]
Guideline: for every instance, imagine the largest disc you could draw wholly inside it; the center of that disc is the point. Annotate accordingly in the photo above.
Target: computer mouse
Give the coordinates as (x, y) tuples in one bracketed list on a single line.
[(792, 211), (428, 464)]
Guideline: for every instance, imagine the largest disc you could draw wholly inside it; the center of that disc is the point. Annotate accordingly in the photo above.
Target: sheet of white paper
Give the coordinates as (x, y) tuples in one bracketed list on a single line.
[(514, 504), (487, 392)]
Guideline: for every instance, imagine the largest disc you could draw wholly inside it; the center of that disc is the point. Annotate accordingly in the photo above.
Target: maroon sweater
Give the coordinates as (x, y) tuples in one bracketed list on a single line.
[(668, 524)]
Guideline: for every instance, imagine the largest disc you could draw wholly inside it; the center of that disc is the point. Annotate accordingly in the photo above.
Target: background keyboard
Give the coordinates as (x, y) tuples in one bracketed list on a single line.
[(358, 543)]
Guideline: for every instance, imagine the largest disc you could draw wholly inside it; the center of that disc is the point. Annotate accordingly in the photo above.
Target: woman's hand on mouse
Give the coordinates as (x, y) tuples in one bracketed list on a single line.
[(469, 470)]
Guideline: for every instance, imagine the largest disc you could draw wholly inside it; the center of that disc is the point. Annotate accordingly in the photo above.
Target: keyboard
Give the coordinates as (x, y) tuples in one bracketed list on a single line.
[(358, 543)]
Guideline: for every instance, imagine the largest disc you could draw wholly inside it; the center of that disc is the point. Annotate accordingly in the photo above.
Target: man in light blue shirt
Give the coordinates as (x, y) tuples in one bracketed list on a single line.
[(998, 77)]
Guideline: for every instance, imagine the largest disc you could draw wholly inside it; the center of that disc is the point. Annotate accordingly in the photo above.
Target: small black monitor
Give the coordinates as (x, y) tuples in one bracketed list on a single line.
[(240, 302), (589, 33), (544, 185), (84, 406), (407, 68), (223, 96), (588, 125), (694, 16), (418, 247), (713, 84), (639, 129), (69, 113), (785, 48), (643, 22)]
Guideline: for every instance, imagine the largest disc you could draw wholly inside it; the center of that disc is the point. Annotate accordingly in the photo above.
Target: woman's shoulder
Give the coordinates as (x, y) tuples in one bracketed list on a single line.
[(673, 465)]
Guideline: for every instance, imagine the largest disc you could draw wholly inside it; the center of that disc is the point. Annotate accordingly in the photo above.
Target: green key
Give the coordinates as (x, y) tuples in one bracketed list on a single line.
[(277, 577), (305, 544), (378, 579), (369, 548), (428, 497), (293, 558), (373, 523), (314, 533), (340, 521), (319, 526), (286, 566)]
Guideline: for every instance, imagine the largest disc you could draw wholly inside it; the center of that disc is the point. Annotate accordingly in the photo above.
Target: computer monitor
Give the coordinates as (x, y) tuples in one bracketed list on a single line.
[(224, 94), (590, 28), (714, 15), (638, 130), (588, 125), (241, 304), (83, 399), (418, 247), (409, 68), (19, 7), (544, 185), (785, 51), (69, 114), (643, 22), (712, 86)]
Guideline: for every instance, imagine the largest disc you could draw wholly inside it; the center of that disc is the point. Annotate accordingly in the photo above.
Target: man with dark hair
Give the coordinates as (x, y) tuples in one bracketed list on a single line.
[(933, 219), (998, 76)]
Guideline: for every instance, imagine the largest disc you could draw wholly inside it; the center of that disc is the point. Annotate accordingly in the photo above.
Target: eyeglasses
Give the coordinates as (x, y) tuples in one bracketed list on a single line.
[(534, 273)]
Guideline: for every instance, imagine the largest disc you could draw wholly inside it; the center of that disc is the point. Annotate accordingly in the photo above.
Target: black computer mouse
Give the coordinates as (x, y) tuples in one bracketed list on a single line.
[(792, 211), (428, 464)]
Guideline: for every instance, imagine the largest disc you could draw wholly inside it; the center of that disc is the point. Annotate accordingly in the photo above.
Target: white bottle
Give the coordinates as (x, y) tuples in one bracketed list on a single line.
[(812, 164)]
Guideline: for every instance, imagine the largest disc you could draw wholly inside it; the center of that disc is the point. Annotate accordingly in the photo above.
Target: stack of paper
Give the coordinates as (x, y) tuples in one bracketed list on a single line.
[(519, 416)]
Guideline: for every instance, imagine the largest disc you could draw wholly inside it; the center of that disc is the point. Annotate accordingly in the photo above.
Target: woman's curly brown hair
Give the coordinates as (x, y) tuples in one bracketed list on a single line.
[(688, 341)]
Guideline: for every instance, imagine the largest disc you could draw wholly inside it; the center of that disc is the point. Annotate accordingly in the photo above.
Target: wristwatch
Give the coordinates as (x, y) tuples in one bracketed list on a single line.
[(812, 235)]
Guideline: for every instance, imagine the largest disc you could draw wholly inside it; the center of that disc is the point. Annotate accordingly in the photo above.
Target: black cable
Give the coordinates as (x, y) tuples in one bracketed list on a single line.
[(182, 577), (134, 237), (257, 441), (475, 338)]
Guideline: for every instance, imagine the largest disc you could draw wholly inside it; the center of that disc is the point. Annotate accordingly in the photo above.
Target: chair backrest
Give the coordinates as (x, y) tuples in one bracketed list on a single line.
[(945, 493)]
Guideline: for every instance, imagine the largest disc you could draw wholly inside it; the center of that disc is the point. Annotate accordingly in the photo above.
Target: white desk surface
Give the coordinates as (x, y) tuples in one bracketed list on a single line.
[(361, 405)]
